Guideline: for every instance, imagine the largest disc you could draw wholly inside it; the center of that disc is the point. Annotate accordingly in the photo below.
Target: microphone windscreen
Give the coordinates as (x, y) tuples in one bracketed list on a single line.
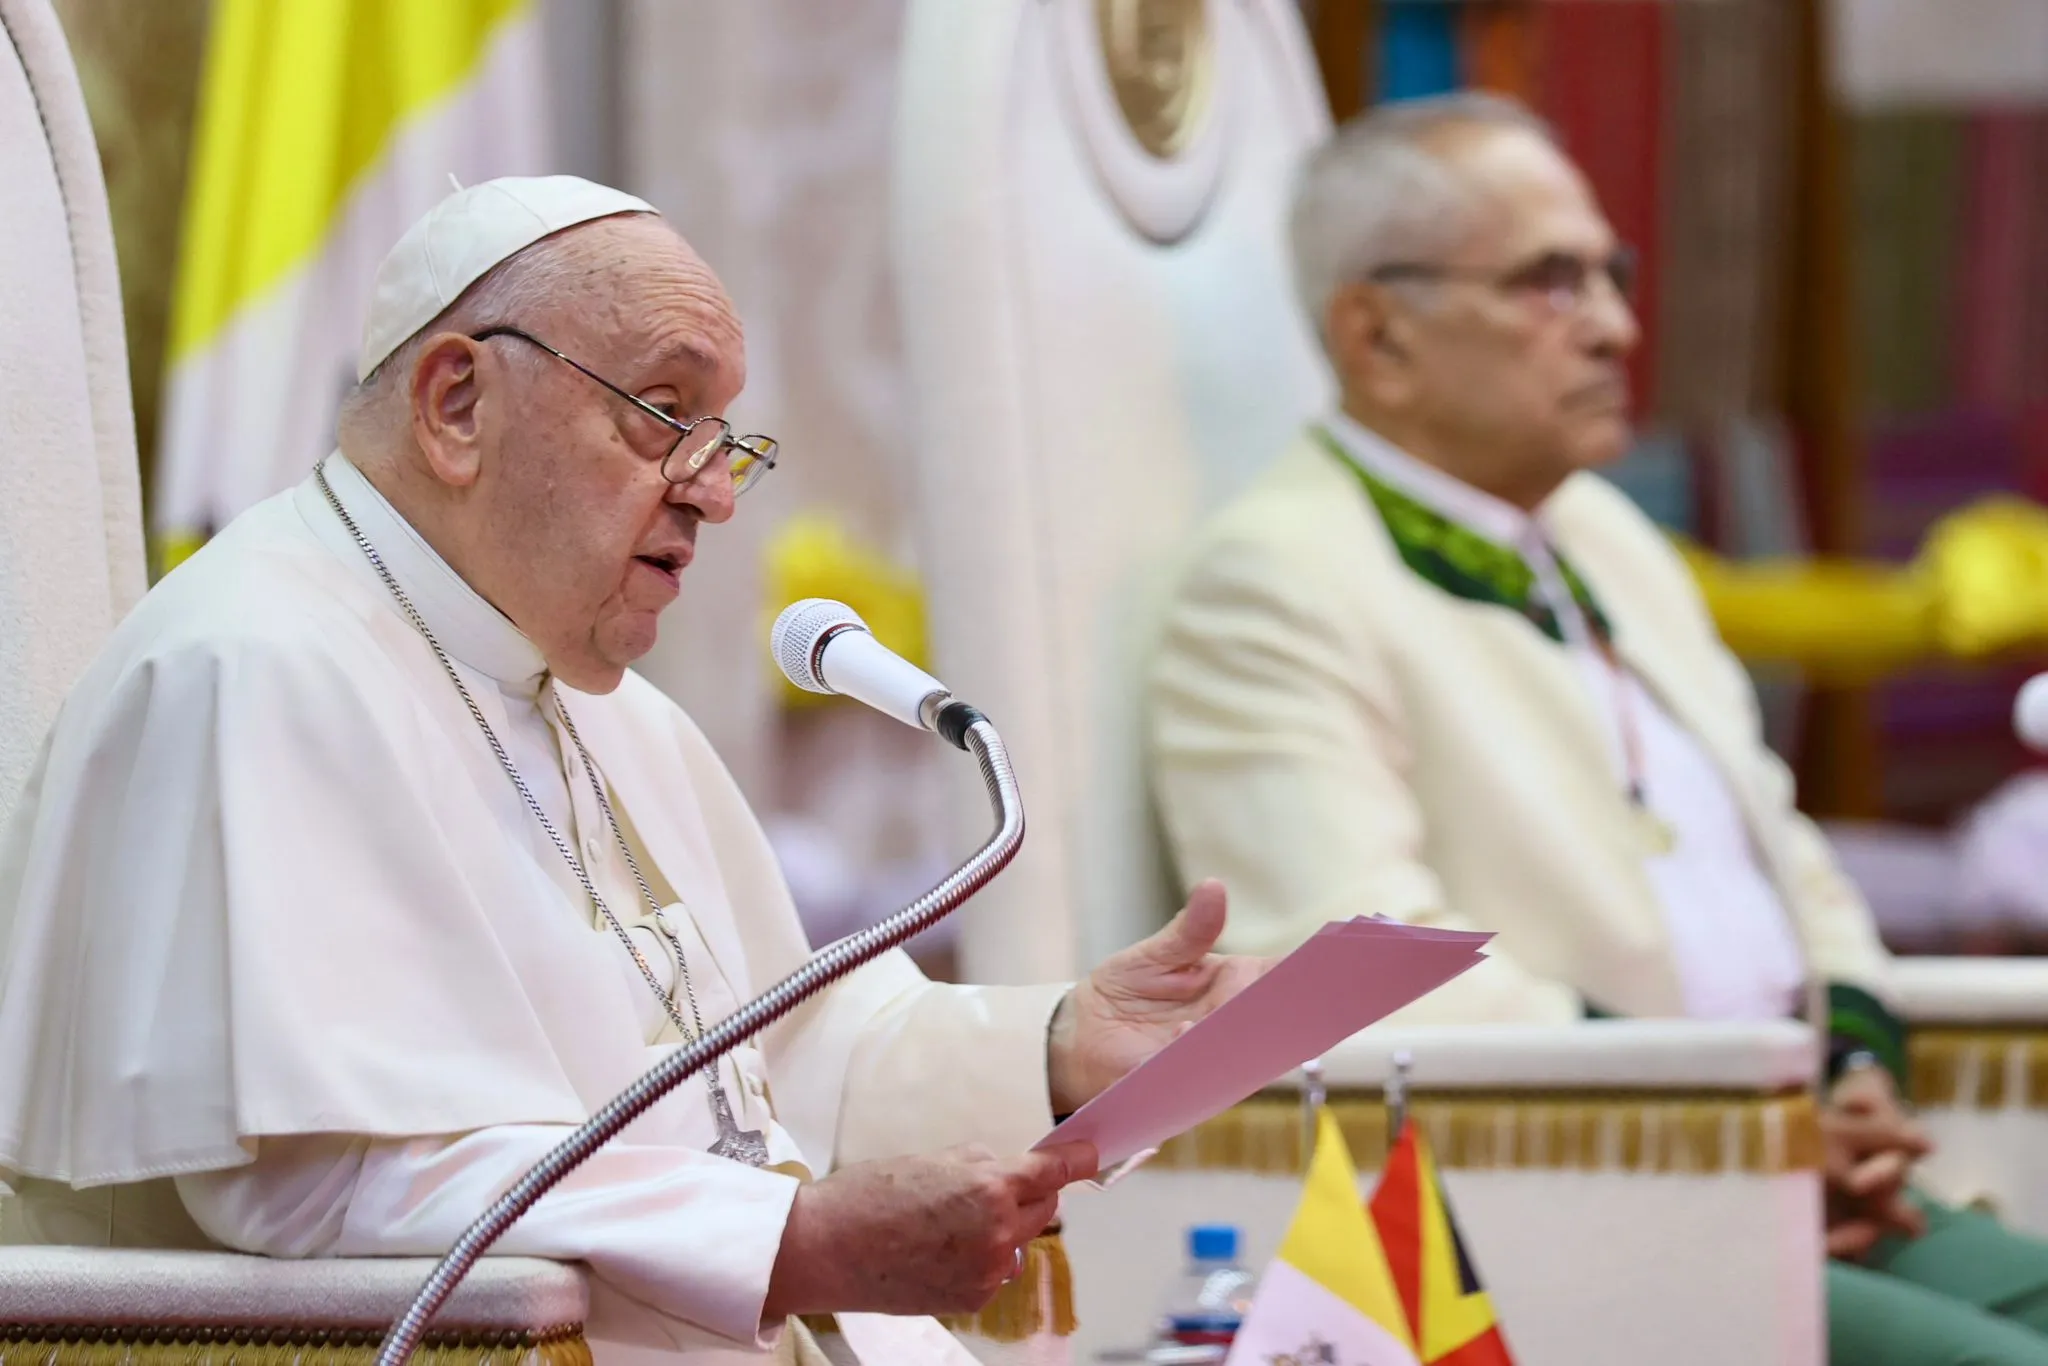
[(794, 638)]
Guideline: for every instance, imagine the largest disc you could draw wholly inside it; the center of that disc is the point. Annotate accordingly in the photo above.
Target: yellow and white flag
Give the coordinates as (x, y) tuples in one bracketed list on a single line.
[(325, 127), (1328, 1299)]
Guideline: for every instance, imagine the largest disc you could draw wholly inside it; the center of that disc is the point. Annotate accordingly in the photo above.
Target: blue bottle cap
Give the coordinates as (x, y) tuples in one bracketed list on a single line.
[(1212, 1243)]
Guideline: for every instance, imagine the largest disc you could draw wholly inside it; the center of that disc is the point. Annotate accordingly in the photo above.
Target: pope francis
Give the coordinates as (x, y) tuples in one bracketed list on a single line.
[(358, 868)]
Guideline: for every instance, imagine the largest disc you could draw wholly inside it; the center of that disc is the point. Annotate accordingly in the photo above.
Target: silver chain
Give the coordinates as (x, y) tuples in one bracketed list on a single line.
[(661, 924), (667, 998)]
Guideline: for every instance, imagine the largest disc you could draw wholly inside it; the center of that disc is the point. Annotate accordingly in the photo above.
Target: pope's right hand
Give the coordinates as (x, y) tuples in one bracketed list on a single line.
[(933, 1234)]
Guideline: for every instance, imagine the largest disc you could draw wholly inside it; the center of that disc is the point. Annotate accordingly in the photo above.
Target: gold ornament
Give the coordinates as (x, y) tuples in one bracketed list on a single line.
[(812, 556), (1162, 60)]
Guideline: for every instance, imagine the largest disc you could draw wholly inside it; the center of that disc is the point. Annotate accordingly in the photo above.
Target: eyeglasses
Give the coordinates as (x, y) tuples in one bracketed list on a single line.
[(696, 442), (1562, 279)]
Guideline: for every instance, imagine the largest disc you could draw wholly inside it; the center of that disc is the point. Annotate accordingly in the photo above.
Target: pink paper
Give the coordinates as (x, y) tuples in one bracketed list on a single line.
[(1347, 976)]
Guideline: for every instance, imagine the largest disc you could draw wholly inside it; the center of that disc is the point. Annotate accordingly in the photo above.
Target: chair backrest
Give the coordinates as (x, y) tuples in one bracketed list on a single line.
[(1088, 229), (70, 507)]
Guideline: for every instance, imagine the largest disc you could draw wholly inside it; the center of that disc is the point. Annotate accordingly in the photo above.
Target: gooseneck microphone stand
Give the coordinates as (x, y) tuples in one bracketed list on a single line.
[(966, 729)]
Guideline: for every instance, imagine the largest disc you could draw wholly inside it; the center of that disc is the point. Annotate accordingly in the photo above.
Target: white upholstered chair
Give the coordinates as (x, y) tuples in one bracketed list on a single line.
[(63, 1306), (1979, 1046), (1101, 345), (71, 565), (1629, 1193), (70, 508), (1087, 229)]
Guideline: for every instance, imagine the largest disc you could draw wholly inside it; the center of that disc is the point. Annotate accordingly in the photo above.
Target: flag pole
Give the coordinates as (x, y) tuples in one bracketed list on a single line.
[(1313, 1094), (1396, 1092)]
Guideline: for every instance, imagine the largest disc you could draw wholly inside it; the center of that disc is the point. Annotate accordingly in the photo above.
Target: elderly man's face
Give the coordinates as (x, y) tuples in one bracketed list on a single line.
[(1493, 360), (588, 540)]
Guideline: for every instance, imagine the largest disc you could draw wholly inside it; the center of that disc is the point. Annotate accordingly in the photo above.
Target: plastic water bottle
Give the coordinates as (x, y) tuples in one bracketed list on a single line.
[(1208, 1301)]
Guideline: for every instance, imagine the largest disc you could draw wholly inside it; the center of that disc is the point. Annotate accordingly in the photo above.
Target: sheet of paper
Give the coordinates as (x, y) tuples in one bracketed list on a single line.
[(1348, 975)]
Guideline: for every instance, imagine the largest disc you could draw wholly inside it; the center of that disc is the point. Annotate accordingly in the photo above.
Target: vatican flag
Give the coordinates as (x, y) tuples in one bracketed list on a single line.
[(325, 127), (1328, 1299)]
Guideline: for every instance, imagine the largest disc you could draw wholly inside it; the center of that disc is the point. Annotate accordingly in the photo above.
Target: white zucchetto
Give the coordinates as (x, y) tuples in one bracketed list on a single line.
[(459, 240)]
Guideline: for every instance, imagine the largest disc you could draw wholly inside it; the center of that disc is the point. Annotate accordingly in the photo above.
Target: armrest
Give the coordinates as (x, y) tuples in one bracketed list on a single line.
[(1597, 1055), (132, 1295), (1977, 1031), (1971, 991), (1600, 1171)]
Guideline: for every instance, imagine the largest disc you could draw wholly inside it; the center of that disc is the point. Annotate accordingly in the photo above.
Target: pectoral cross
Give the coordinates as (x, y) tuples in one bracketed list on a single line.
[(741, 1145)]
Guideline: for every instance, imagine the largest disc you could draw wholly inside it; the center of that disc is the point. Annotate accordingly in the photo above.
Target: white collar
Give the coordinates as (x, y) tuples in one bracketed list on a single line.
[(469, 628), (1475, 509)]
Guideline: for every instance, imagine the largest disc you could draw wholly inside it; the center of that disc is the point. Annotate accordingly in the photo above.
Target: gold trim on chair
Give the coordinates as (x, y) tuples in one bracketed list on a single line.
[(1970, 1067), (1634, 1131), (1161, 60), (194, 1345)]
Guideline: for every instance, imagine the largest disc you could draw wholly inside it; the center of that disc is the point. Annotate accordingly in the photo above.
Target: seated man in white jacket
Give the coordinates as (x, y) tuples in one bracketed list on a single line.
[(359, 868), (1432, 667)]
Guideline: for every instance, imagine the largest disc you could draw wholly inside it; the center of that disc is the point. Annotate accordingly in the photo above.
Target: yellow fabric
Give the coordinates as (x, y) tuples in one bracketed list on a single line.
[(298, 100), (1332, 1240), (1990, 562), (1978, 587), (1846, 621), (812, 556)]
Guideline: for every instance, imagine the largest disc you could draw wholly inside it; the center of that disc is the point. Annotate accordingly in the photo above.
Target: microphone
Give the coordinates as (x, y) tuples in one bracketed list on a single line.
[(823, 646), (2030, 713)]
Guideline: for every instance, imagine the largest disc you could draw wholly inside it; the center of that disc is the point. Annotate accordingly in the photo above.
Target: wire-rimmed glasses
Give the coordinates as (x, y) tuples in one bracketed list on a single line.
[(697, 440), (1562, 279)]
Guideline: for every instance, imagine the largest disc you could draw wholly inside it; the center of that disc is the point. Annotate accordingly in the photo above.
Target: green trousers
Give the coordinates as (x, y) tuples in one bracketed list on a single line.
[(1968, 1292)]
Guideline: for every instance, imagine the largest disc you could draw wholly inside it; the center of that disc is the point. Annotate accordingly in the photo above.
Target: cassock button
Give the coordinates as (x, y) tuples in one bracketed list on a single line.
[(591, 848)]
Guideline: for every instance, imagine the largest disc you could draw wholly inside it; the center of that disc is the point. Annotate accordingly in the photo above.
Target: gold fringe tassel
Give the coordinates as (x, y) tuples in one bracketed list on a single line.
[(1547, 1131), (135, 1345), (1038, 1301), (1978, 1069)]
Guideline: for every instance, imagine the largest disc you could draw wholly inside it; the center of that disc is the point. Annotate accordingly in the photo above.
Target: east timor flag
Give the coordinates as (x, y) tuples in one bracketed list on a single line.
[(1448, 1310)]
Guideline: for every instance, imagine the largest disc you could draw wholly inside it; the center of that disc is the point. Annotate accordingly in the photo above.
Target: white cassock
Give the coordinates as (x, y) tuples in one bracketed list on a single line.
[(287, 965)]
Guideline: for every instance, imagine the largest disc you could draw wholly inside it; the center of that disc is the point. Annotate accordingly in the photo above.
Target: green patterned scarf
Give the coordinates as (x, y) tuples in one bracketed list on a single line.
[(1462, 562)]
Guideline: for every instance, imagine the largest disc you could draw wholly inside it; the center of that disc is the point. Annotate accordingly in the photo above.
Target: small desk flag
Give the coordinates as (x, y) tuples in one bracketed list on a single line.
[(1448, 1311), (1329, 1298)]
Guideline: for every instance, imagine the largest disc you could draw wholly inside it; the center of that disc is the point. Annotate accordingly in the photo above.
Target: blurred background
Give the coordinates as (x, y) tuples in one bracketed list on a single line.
[(1842, 207)]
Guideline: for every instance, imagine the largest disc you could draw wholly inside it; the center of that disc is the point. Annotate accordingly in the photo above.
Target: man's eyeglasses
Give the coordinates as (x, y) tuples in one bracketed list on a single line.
[(1562, 279), (695, 443)]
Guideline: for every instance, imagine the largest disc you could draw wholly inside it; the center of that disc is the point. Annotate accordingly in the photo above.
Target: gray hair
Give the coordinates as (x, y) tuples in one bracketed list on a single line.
[(1378, 191), (512, 291)]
